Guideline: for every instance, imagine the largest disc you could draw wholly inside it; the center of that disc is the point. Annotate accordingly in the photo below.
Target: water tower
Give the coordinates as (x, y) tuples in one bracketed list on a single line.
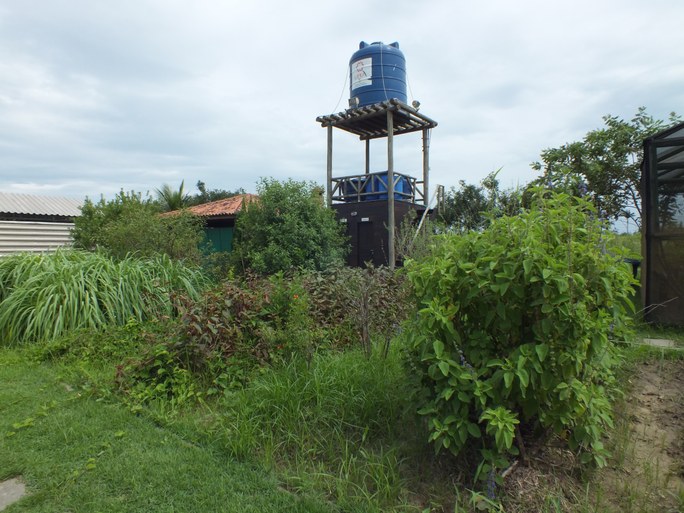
[(373, 204)]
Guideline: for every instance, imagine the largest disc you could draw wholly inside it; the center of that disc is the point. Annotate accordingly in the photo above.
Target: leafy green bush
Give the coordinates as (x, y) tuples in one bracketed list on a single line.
[(157, 376), (44, 296), (130, 223), (513, 332), (288, 227)]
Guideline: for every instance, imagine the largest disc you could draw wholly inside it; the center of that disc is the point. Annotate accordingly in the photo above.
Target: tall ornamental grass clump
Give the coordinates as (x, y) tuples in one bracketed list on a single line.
[(45, 296), (514, 334)]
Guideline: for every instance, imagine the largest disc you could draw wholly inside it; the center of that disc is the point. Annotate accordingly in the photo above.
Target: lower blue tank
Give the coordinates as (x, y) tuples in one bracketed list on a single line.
[(377, 72)]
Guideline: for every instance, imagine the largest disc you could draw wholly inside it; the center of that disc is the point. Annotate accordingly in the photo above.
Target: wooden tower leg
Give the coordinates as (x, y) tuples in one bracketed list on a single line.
[(426, 166), (329, 177), (390, 188)]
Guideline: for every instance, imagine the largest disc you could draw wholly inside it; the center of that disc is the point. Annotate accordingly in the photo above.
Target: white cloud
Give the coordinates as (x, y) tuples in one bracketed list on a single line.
[(98, 96)]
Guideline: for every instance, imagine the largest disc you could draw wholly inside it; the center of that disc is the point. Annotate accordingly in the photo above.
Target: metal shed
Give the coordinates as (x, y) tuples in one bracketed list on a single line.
[(663, 227), (35, 224)]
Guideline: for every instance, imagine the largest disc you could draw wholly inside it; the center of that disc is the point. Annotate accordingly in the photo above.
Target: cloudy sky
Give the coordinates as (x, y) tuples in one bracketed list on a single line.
[(99, 95)]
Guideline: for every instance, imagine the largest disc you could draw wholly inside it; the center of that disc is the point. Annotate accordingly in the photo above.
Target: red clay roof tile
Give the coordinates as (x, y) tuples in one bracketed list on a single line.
[(224, 207)]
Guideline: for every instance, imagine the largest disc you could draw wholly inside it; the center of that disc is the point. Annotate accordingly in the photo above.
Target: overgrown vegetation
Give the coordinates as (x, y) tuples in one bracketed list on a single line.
[(130, 223), (339, 432), (335, 424), (280, 377), (514, 334), (45, 296), (241, 326), (504, 335)]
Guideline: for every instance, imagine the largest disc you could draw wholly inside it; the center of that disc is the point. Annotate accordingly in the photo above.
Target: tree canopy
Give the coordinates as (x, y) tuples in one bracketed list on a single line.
[(288, 227), (605, 165), (472, 207), (208, 195), (130, 223), (170, 199)]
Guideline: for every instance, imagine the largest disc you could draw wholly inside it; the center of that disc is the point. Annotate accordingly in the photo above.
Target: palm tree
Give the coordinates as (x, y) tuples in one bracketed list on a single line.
[(170, 199)]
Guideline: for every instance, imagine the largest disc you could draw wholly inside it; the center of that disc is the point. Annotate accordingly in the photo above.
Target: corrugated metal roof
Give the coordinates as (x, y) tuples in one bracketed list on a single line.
[(11, 203), (224, 207)]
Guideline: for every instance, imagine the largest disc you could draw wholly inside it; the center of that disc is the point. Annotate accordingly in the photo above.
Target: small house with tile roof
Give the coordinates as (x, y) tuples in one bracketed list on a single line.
[(219, 219)]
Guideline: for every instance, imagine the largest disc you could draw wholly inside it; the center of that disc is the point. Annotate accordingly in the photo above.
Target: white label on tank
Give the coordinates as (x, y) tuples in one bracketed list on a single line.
[(362, 73)]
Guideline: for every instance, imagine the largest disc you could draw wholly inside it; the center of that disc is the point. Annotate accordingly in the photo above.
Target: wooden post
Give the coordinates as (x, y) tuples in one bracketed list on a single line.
[(329, 187), (367, 156), (426, 166), (390, 188)]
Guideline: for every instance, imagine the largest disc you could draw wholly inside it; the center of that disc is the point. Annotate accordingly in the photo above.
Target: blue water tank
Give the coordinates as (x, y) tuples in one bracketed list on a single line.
[(402, 188), (377, 72)]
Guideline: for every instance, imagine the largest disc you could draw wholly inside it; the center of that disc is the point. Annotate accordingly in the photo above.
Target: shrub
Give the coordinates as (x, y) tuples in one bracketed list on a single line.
[(244, 317), (131, 224), (289, 227), (513, 332), (220, 338), (357, 305)]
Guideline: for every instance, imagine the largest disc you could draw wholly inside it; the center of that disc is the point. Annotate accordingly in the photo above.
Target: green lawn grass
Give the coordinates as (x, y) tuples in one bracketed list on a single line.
[(76, 453), (332, 434)]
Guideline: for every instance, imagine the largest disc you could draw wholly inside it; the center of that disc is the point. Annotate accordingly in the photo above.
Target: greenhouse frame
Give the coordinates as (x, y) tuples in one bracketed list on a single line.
[(663, 227)]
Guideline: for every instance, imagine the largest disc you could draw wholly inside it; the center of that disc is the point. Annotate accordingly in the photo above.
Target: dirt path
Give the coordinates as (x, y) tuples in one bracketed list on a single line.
[(646, 473), (649, 474)]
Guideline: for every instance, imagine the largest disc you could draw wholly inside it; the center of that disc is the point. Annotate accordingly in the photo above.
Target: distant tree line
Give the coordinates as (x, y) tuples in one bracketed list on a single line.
[(175, 199), (290, 227), (604, 167), (471, 207)]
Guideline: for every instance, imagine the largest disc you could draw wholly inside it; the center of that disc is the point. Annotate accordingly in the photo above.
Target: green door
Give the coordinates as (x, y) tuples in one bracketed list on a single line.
[(220, 239)]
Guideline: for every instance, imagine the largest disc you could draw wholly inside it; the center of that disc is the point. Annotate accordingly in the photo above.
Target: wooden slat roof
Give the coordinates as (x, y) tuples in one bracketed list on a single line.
[(370, 122)]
